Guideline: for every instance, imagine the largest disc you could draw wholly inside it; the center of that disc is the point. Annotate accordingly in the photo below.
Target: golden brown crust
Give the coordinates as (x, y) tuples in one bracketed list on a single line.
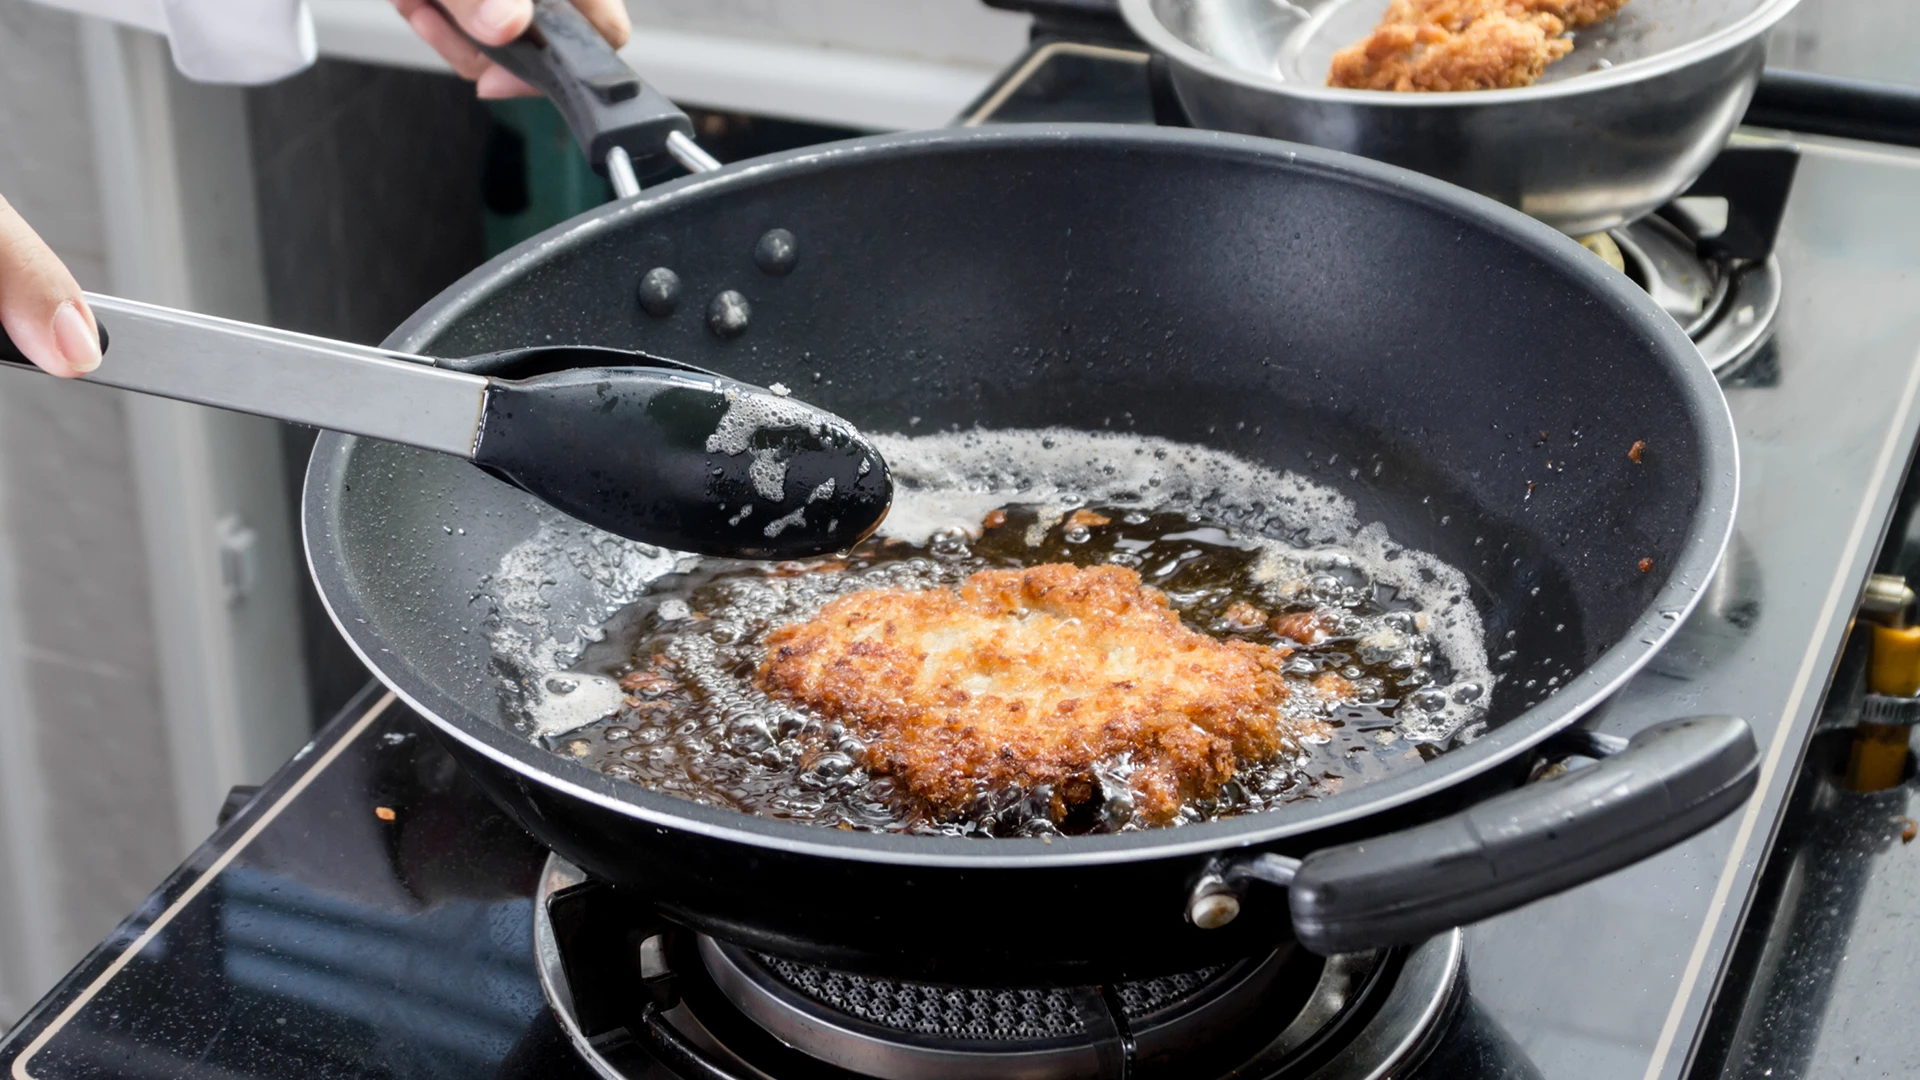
[(1333, 686), (1035, 677), (1441, 45), (1579, 13), (1305, 627), (1242, 617)]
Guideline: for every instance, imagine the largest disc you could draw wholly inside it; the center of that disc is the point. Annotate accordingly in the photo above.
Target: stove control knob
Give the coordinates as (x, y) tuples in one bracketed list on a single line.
[(1887, 598)]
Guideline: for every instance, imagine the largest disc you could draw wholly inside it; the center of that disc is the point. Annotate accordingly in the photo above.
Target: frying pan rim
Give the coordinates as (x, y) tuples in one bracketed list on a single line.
[(1710, 528), (1141, 19)]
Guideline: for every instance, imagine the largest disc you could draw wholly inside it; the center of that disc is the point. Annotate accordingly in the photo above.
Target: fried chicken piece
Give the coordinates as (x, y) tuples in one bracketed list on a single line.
[(1333, 686), (1578, 13), (648, 683), (1305, 627), (1034, 677), (1438, 45), (1242, 617)]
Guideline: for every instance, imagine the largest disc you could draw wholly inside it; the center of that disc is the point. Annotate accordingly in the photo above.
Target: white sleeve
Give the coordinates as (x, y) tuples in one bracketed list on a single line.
[(219, 41)]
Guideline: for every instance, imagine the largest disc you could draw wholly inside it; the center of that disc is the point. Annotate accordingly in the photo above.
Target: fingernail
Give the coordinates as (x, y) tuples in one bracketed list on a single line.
[(498, 14), (78, 344)]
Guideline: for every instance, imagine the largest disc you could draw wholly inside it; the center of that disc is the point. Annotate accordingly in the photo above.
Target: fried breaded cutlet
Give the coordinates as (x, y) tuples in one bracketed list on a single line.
[(1034, 677), (1439, 45)]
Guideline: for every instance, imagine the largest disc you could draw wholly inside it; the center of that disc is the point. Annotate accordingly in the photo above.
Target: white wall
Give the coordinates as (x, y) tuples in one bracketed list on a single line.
[(132, 692), (1862, 39), (83, 745), (176, 192)]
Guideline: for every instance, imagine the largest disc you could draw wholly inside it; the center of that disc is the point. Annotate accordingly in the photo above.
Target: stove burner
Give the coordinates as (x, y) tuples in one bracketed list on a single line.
[(715, 1011), (907, 1030), (987, 1017), (1725, 304)]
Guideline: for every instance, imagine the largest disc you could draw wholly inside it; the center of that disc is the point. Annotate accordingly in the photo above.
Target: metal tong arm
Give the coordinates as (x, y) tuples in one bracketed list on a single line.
[(284, 375)]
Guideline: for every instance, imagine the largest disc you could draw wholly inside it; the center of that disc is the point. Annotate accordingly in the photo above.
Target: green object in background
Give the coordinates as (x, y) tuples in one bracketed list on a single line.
[(533, 177)]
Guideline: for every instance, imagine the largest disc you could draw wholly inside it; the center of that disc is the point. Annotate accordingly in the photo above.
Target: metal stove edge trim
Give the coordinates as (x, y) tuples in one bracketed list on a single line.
[(20, 1069), (559, 874), (1738, 330), (1742, 849), (1038, 59), (1413, 1033)]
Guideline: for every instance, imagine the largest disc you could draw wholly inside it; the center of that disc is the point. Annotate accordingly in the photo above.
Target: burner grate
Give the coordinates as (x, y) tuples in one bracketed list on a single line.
[(997, 1015), (975, 1015), (1148, 996)]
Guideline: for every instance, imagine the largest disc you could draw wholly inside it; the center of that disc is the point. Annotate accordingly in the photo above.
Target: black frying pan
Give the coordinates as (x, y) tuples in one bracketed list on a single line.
[(1177, 283)]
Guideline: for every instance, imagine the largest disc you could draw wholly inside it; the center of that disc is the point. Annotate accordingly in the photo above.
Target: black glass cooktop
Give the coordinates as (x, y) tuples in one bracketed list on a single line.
[(369, 913)]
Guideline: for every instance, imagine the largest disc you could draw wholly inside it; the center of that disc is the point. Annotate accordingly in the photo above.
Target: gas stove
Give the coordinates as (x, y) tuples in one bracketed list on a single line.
[(367, 913), (712, 1009)]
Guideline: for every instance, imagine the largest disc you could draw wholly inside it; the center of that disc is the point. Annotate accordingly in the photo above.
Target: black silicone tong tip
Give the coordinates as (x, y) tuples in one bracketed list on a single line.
[(686, 460)]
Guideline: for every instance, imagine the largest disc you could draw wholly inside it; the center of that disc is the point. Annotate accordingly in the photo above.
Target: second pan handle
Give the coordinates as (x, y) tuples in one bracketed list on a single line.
[(1834, 105), (1671, 781)]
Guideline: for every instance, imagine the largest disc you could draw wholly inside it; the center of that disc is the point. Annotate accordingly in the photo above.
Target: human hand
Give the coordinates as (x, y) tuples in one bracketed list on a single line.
[(497, 22), (40, 303)]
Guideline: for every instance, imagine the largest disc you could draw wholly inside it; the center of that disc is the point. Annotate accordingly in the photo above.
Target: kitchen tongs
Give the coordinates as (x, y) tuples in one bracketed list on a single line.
[(640, 446)]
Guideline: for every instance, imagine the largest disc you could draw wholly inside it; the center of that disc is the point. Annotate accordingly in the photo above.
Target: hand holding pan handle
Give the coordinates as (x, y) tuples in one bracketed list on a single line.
[(614, 116), (1672, 781)]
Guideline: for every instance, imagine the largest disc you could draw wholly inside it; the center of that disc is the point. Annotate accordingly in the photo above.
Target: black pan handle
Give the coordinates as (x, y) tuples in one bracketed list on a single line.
[(1833, 105), (605, 103), (11, 354), (1672, 781)]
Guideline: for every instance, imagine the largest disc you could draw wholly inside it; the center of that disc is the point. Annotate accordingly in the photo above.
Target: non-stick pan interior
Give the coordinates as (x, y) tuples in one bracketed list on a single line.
[(1469, 378)]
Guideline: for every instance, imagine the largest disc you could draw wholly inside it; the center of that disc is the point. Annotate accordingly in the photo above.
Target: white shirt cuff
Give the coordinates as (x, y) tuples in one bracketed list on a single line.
[(219, 41), (239, 41)]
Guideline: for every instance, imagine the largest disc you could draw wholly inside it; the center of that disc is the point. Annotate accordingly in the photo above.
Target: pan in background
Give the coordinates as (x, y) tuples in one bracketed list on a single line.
[(1620, 126)]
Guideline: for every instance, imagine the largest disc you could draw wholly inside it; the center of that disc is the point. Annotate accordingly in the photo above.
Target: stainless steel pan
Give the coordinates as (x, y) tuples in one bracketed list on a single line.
[(1619, 126)]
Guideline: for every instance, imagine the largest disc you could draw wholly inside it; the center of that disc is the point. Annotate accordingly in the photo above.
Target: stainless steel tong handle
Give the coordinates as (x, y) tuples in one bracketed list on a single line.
[(284, 375)]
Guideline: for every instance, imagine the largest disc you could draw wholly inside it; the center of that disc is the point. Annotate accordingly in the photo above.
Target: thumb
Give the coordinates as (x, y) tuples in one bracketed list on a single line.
[(491, 22), (41, 306)]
